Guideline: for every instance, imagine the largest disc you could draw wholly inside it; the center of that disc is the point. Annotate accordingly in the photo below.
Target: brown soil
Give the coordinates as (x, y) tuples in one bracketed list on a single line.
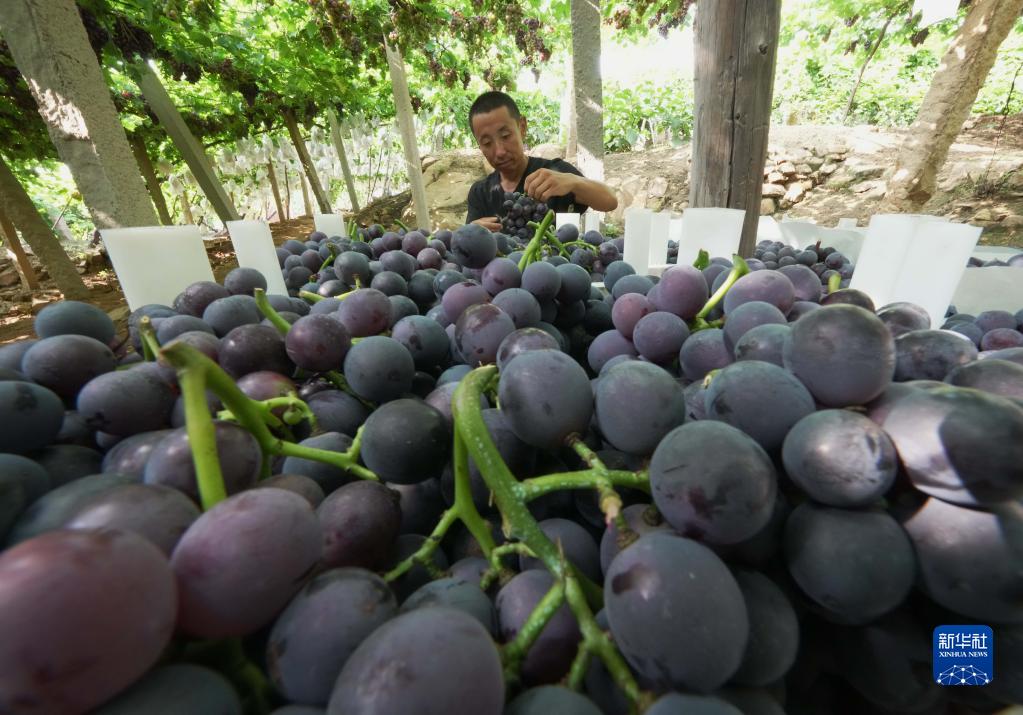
[(106, 291)]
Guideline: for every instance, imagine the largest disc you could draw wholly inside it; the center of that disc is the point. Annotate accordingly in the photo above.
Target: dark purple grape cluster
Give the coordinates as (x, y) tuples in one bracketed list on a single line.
[(518, 210), (835, 479)]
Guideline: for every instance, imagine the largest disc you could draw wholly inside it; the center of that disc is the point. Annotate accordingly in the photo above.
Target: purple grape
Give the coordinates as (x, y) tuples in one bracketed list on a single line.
[(523, 340), (546, 396), (1001, 339), (297, 484), (704, 351), (65, 363), (31, 415), (460, 296), (72, 317), (843, 354), (606, 346), (473, 245), (659, 336), (159, 514), (713, 482), (763, 342), (406, 441), (676, 613), (317, 343), (961, 445), (320, 629), (223, 593), (361, 521), (768, 286), (805, 283), (737, 396), (902, 318), (551, 654), (840, 458), (855, 565), (171, 463), (225, 314), (931, 354), (479, 332), (365, 312), (93, 610), (636, 405), (379, 369), (126, 402), (429, 661), (244, 281), (748, 316)]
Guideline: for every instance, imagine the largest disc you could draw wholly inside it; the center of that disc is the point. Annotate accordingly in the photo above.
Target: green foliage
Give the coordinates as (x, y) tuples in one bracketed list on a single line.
[(645, 114)]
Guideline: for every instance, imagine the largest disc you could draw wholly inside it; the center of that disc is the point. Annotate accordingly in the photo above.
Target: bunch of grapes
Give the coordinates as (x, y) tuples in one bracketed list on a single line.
[(519, 210)]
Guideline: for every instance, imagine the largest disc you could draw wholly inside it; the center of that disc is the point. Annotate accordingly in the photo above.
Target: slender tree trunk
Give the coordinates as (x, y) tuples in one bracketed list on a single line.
[(307, 163), (18, 207), (16, 252), (570, 121), (272, 176), (287, 194), (50, 46), (186, 207), (339, 146), (866, 61), (587, 91), (138, 147), (961, 74), (185, 142), (409, 142), (306, 203), (736, 42)]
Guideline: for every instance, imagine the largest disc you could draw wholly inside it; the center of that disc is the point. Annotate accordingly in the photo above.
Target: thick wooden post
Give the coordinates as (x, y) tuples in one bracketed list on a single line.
[(409, 142), (339, 147), (307, 163), (587, 92), (138, 147), (736, 44), (272, 176), (18, 206), (50, 46), (16, 252), (191, 150)]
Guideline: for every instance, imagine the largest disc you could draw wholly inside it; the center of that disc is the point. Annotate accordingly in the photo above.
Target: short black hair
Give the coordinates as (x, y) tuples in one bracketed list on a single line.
[(489, 101)]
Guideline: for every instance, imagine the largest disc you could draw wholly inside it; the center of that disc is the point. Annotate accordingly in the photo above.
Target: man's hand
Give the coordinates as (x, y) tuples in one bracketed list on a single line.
[(544, 184), (489, 222)]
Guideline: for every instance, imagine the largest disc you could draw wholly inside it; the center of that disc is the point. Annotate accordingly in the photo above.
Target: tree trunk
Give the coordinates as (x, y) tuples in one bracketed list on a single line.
[(587, 95), (306, 203), (961, 74), (50, 46), (307, 163), (16, 252), (185, 142), (186, 207), (339, 146), (287, 194), (16, 204), (138, 147), (736, 42), (409, 142), (569, 121), (272, 176)]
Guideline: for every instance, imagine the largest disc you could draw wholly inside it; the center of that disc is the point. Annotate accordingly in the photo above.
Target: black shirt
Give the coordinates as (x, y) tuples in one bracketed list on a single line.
[(486, 196)]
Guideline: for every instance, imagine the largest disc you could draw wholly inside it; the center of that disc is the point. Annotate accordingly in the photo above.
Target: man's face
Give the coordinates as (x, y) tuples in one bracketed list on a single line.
[(499, 137)]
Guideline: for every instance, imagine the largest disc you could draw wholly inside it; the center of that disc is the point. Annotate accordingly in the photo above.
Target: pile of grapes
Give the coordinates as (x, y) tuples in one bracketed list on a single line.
[(431, 481)]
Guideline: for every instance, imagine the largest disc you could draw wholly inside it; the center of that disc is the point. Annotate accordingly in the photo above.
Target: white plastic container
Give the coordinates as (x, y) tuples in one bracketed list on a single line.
[(637, 239), (254, 247), (714, 230), (568, 219), (660, 230), (155, 263), (330, 224)]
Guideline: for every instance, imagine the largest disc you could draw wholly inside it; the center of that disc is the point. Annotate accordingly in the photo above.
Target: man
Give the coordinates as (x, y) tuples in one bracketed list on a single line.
[(499, 129)]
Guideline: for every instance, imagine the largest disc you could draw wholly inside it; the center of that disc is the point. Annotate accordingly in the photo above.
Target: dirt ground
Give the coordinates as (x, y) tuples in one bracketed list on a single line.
[(106, 291)]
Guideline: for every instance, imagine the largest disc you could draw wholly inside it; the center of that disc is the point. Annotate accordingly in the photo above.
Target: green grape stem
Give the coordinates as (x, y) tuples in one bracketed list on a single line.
[(533, 248), (519, 524)]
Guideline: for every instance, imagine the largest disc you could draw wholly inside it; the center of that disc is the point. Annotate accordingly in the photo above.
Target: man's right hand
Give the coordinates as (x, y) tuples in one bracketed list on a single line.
[(489, 222)]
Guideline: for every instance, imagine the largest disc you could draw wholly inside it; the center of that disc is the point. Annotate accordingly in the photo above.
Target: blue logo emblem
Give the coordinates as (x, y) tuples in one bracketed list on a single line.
[(964, 655)]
